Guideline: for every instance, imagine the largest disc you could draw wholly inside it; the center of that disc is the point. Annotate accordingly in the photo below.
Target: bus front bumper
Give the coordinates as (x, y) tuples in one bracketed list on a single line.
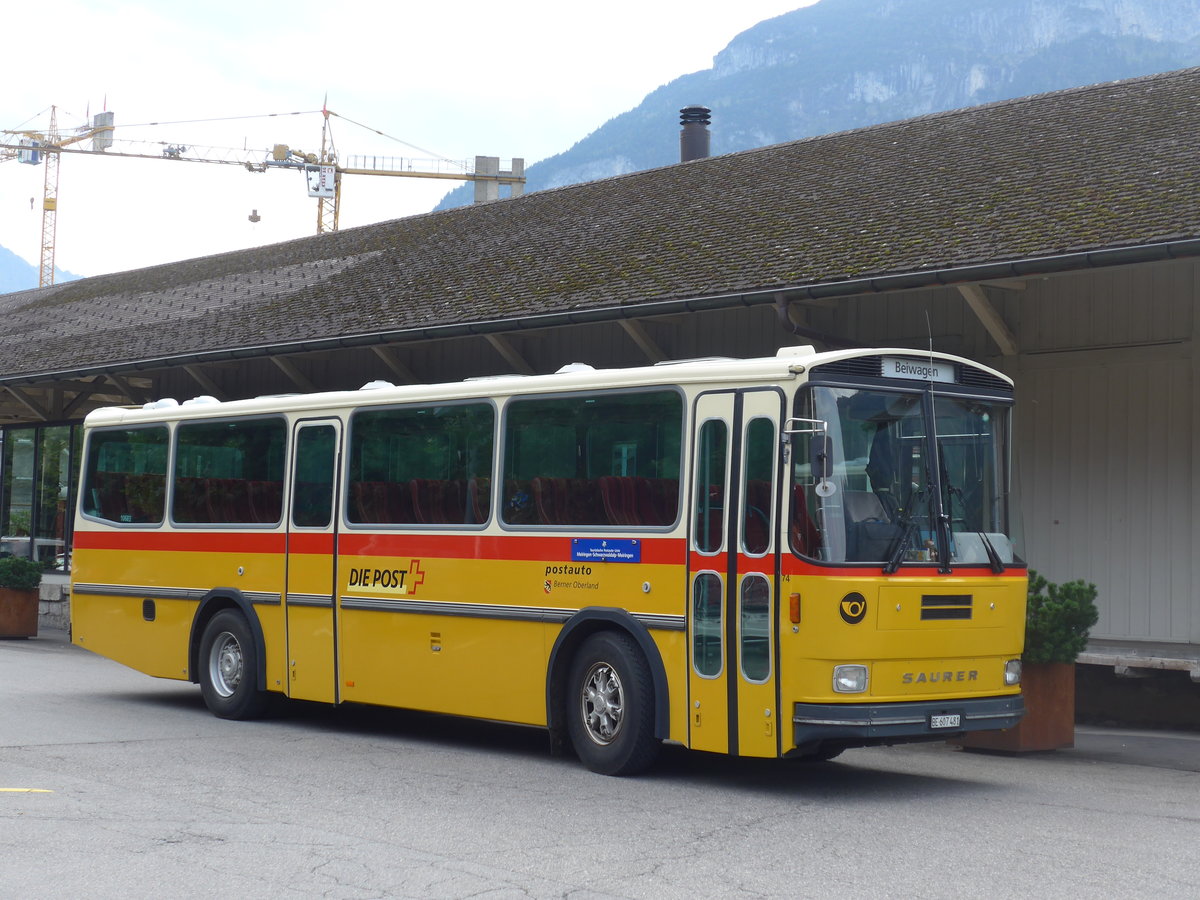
[(868, 724)]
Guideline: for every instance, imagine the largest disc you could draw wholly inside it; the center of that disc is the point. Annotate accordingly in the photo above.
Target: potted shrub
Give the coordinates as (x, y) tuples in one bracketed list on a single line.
[(1057, 621), (19, 580)]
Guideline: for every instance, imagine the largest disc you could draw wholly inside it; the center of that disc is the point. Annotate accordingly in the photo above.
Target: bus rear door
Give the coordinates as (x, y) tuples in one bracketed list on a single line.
[(312, 570)]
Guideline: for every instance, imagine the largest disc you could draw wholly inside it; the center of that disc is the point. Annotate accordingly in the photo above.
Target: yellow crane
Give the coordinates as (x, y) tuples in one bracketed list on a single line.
[(33, 147), (323, 172)]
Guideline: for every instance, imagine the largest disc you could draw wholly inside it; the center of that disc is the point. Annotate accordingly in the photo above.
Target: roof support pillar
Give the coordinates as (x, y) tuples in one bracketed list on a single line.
[(134, 394), (505, 348), (388, 357), (289, 368), (70, 409), (990, 318), (201, 378), (640, 336), (29, 403)]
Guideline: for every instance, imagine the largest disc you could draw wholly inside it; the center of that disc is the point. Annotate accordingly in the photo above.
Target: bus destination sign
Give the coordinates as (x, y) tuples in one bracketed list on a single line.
[(918, 369)]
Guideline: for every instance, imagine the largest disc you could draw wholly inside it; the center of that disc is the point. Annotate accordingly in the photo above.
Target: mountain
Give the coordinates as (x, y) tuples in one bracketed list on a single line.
[(842, 64), (18, 275)]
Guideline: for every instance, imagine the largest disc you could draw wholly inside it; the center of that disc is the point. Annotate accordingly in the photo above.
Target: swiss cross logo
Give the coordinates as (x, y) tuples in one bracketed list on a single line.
[(416, 576)]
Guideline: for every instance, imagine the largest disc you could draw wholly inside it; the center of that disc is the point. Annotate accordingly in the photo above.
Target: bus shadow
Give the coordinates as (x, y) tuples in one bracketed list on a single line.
[(861, 774), (433, 730), (868, 773)]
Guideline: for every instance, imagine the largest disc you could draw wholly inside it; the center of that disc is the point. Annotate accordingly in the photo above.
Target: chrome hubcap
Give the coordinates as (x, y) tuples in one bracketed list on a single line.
[(225, 664), (602, 703)]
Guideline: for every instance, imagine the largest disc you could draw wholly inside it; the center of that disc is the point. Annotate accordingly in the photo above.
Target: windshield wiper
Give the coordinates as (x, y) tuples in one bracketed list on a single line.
[(893, 563), (943, 543), (993, 557)]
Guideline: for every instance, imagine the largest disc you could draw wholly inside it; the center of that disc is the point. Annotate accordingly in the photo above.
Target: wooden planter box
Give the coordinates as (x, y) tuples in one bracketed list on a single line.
[(18, 613), (1049, 721)]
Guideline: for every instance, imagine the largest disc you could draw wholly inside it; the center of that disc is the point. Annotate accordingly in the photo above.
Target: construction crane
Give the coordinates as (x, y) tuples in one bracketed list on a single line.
[(322, 171), (33, 147)]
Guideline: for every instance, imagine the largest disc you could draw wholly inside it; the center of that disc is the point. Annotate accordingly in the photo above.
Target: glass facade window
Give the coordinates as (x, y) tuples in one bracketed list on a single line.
[(37, 478), (16, 511)]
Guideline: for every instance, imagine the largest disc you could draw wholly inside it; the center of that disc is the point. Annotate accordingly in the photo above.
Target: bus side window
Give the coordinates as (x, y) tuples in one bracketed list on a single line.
[(125, 475), (421, 465), (229, 472), (608, 460)]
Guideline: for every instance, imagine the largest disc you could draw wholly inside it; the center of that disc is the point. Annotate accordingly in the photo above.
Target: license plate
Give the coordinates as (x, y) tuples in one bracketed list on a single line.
[(948, 721)]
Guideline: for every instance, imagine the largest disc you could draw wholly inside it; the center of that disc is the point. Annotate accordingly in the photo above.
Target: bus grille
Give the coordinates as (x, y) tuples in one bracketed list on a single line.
[(946, 606), (974, 378), (863, 366)]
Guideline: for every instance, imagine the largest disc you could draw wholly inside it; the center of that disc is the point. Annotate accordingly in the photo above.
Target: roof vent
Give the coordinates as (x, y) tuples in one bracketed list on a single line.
[(377, 385), (575, 367), (202, 400), (696, 360), (694, 136), (802, 350), (164, 403)]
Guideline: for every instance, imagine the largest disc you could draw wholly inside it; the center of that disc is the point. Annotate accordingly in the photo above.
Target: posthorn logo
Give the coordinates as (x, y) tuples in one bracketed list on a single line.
[(853, 608)]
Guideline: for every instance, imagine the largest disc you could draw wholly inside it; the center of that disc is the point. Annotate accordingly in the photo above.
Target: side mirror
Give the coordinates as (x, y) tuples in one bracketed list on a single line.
[(820, 447), (820, 455)]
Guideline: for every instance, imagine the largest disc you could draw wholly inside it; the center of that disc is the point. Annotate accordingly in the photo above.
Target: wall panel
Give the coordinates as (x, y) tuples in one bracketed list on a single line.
[(1104, 456)]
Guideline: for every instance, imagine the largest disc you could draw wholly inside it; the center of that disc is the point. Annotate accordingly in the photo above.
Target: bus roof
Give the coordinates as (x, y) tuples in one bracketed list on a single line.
[(785, 365)]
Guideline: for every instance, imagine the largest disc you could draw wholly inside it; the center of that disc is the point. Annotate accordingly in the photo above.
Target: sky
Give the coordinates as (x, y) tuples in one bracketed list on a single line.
[(231, 79)]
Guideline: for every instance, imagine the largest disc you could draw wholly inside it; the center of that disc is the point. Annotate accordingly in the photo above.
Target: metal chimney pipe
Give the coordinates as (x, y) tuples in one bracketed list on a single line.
[(694, 136)]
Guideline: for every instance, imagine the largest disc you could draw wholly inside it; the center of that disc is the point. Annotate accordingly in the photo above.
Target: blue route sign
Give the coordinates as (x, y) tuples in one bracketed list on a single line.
[(606, 550)]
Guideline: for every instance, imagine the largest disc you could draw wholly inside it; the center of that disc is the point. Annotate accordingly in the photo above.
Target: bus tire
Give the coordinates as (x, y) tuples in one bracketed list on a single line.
[(610, 705), (229, 668)]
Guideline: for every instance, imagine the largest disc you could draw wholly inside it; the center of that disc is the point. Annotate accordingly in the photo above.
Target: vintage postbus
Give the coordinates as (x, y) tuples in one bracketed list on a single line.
[(778, 557)]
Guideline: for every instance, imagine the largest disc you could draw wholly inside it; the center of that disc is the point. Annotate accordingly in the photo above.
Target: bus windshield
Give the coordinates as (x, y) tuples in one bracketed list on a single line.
[(892, 477)]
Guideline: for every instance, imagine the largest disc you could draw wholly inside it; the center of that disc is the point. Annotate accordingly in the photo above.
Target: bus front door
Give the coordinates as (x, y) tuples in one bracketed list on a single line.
[(733, 573), (311, 586)]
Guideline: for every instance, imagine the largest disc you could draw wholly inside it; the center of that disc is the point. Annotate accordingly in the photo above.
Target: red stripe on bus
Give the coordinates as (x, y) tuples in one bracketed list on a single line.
[(793, 566), (662, 551), (314, 543), (658, 551), (181, 541)]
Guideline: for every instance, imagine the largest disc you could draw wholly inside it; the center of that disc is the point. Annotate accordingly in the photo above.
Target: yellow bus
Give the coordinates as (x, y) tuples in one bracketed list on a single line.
[(776, 557)]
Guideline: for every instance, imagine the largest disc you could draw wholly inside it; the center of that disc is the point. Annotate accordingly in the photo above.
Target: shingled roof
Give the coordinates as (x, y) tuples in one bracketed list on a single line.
[(1105, 173)]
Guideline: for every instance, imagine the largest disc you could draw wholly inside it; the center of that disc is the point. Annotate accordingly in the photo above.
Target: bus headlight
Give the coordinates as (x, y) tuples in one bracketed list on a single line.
[(1012, 672), (849, 679)]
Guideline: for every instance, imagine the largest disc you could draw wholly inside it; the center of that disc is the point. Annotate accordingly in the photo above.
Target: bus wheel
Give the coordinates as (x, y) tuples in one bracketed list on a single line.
[(610, 706), (229, 668)]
